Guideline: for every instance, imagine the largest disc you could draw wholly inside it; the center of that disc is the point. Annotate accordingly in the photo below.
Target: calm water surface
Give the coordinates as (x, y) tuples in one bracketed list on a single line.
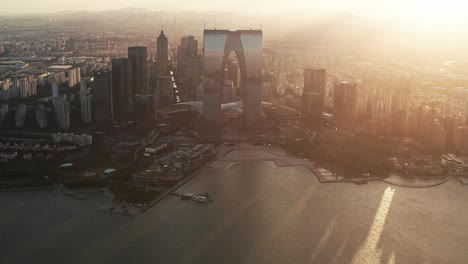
[(261, 214)]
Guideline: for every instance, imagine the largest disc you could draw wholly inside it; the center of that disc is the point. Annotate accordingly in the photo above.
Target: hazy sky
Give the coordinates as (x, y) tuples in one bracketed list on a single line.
[(432, 10)]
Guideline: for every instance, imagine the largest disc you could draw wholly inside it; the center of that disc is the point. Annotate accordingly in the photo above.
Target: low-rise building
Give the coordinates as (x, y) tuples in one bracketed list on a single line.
[(454, 163)]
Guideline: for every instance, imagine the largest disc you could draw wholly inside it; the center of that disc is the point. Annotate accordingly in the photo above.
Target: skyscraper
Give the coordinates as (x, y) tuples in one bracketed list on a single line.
[(188, 67), (315, 80), (138, 59), (165, 95), (102, 95), (248, 46), (162, 55), (122, 92), (344, 104), (313, 96)]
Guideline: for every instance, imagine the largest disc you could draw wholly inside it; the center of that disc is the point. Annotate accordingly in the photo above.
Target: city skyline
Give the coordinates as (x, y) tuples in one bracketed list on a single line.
[(250, 134)]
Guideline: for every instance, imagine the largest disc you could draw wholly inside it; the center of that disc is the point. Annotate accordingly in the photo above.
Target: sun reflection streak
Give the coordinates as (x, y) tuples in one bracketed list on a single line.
[(323, 240), (368, 252), (339, 253), (391, 259)]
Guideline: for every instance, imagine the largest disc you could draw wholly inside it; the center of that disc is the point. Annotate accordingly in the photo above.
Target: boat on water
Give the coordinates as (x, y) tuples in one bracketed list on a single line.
[(202, 198), (187, 196)]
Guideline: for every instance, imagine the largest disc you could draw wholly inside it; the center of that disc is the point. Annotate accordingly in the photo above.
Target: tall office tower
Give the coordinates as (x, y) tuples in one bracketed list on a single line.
[(138, 60), (3, 112), (194, 77), (164, 95), (248, 46), (315, 80), (344, 104), (162, 55), (313, 96), (102, 96), (41, 116), (122, 92), (188, 67), (20, 115), (85, 103)]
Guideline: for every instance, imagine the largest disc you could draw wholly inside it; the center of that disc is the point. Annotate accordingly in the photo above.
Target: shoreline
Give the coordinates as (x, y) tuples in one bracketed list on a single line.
[(223, 161)]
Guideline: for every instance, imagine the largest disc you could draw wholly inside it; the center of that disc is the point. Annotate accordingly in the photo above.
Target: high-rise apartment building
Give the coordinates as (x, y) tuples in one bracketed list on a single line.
[(85, 103), (41, 116), (74, 76), (61, 108)]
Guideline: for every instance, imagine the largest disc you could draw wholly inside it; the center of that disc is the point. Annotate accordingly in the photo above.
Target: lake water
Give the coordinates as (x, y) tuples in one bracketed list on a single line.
[(260, 214)]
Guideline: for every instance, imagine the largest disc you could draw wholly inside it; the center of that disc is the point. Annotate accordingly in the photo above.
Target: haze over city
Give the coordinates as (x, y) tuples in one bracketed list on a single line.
[(415, 10), (184, 131)]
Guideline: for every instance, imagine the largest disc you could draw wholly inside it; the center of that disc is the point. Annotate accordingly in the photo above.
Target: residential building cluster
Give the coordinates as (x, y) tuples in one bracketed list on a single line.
[(18, 87)]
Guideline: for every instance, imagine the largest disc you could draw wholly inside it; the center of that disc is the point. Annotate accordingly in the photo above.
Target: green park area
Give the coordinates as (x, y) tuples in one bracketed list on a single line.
[(355, 154)]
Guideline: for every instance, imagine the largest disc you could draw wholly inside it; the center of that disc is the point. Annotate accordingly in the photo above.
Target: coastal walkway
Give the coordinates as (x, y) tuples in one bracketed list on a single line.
[(182, 182), (415, 182)]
